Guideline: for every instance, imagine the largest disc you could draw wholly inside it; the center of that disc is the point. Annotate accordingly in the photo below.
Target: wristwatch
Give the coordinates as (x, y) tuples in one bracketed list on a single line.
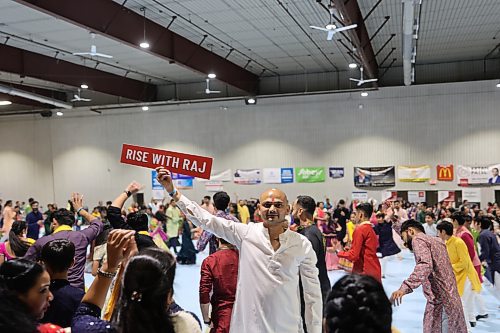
[(207, 322), (128, 193)]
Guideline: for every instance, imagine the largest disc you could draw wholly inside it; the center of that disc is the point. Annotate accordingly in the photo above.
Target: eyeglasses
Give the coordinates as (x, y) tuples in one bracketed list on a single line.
[(277, 205)]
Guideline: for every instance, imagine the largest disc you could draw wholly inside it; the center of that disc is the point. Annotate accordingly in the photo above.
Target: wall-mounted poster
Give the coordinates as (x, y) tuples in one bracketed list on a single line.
[(336, 172), (221, 176), (157, 191), (214, 186), (446, 196), (310, 175), (472, 194), (415, 174), (360, 196), (416, 196), (182, 182), (247, 176), (478, 175), (445, 173), (374, 176), (389, 195), (286, 175), (277, 175)]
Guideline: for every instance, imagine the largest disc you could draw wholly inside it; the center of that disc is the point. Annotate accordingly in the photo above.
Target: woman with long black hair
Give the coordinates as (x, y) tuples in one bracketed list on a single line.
[(24, 296), (146, 292), (17, 245)]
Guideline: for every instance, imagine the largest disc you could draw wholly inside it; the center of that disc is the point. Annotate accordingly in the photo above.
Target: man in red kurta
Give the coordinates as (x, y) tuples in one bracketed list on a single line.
[(219, 275), (363, 252)]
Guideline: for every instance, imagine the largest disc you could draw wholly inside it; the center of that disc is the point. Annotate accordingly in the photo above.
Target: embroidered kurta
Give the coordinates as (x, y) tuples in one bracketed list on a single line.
[(434, 273), (363, 252), (462, 264), (268, 280), (219, 275)]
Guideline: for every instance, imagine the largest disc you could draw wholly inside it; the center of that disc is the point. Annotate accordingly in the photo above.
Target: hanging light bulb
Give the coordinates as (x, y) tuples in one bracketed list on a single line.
[(353, 65), (144, 44)]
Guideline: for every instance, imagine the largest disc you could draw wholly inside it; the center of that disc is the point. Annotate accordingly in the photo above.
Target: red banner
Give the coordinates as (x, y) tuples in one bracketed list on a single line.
[(445, 173), (186, 164)]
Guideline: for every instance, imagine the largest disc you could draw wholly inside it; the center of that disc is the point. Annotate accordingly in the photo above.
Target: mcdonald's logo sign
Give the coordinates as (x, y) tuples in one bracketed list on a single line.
[(445, 173)]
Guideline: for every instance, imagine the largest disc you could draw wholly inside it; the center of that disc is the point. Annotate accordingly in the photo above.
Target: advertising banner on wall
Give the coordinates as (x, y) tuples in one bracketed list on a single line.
[(445, 173), (416, 196), (446, 196), (182, 182), (310, 175), (416, 174), (157, 191), (336, 172), (374, 176), (247, 176), (389, 195), (271, 175), (192, 165), (214, 186), (222, 176), (286, 175), (478, 175), (472, 194), (360, 196)]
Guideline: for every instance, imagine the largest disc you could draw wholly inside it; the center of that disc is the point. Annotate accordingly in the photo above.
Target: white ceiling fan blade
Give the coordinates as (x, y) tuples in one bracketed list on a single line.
[(82, 53), (74, 100), (330, 35), (215, 91), (370, 80), (356, 80), (319, 28), (76, 96), (360, 83), (346, 27), (102, 55), (85, 99)]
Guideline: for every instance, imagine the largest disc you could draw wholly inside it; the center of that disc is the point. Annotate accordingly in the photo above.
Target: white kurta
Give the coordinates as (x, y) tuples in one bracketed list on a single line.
[(267, 294)]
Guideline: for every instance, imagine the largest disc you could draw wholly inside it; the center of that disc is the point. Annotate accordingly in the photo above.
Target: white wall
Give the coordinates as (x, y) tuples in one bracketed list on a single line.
[(446, 123)]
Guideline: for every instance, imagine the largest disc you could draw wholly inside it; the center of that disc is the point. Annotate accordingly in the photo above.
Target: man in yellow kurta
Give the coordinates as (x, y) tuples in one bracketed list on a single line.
[(465, 273)]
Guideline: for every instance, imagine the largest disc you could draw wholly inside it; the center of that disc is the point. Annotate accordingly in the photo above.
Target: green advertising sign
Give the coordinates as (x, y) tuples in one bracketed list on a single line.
[(310, 175)]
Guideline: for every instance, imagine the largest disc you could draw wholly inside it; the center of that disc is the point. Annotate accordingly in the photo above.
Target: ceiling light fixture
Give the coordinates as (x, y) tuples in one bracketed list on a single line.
[(84, 86), (353, 65), (364, 94), (59, 113), (2, 103), (145, 108), (144, 44), (251, 101), (498, 85), (212, 76)]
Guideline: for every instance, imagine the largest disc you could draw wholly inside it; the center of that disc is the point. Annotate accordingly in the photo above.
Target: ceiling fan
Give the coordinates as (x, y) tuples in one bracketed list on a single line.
[(361, 80), (331, 28), (93, 50), (79, 98), (208, 91)]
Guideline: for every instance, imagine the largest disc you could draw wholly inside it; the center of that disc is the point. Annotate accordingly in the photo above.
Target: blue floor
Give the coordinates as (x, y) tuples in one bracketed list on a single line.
[(407, 317)]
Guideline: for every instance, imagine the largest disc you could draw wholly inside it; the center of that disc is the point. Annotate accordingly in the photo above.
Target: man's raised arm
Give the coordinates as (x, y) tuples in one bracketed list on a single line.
[(222, 228)]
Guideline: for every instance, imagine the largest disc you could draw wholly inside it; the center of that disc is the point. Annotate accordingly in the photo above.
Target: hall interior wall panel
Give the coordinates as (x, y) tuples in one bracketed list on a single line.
[(428, 124)]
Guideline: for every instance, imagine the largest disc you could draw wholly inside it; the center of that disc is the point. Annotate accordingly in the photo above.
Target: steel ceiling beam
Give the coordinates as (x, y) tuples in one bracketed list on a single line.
[(21, 101), (351, 14), (115, 21), (23, 62), (59, 95)]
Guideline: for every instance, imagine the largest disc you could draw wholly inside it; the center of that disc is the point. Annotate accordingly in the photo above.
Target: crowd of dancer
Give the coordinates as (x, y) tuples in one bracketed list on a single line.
[(260, 253)]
